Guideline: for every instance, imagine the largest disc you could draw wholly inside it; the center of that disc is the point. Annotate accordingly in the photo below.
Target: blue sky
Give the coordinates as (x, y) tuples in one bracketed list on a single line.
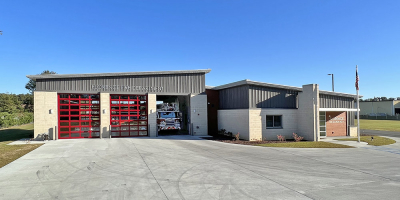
[(282, 42)]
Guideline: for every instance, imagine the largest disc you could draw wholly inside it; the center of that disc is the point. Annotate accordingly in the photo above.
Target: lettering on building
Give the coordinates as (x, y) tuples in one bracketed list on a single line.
[(126, 88)]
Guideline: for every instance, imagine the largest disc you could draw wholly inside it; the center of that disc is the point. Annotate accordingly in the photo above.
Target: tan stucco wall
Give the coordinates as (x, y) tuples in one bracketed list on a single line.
[(105, 115), (308, 113), (198, 103), (44, 122), (376, 107), (235, 121), (152, 114)]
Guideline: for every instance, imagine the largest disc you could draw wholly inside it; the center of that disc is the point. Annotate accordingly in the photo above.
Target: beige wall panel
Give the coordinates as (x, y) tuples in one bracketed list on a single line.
[(44, 122), (152, 114), (289, 123), (105, 115), (235, 121)]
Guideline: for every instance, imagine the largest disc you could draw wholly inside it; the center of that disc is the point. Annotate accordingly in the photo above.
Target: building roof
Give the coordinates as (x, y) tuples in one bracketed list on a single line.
[(54, 76), (262, 84)]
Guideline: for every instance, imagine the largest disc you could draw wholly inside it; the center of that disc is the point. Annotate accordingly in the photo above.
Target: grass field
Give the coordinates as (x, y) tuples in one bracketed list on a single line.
[(9, 153), (378, 141), (305, 145), (380, 125)]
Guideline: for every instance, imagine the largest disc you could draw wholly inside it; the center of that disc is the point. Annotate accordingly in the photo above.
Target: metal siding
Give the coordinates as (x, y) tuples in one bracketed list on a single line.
[(176, 83), (267, 97), (234, 98), (330, 101)]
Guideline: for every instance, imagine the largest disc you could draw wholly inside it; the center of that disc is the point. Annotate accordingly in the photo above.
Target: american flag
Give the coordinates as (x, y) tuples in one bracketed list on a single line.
[(357, 79)]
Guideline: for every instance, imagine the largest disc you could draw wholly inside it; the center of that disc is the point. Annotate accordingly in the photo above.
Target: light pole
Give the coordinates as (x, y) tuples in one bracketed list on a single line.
[(333, 84)]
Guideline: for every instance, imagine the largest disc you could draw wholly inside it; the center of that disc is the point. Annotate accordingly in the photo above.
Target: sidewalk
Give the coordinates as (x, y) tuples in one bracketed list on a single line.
[(348, 143)]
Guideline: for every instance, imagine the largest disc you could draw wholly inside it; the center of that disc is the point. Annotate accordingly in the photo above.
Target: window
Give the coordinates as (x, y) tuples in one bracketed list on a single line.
[(274, 121)]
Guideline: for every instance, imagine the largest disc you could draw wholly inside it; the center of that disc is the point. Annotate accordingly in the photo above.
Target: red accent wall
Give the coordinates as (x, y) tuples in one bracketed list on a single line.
[(336, 124)]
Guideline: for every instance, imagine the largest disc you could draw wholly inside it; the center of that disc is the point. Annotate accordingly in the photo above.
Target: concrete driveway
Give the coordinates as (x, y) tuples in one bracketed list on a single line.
[(182, 167)]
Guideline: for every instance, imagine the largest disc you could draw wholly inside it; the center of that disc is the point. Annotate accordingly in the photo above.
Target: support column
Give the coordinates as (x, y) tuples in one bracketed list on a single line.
[(308, 113), (152, 114), (105, 115)]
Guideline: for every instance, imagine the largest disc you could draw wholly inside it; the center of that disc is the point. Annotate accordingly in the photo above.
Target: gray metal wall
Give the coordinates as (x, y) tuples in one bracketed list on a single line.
[(174, 83), (330, 101), (266, 97), (234, 98)]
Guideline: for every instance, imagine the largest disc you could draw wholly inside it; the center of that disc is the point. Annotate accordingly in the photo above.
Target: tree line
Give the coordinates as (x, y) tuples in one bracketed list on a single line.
[(380, 99), (17, 109)]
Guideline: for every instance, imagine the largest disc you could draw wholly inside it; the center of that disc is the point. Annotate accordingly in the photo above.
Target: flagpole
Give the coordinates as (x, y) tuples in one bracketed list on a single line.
[(358, 110)]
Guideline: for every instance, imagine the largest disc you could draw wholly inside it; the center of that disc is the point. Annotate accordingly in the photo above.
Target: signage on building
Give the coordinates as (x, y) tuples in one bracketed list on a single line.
[(125, 88), (336, 120)]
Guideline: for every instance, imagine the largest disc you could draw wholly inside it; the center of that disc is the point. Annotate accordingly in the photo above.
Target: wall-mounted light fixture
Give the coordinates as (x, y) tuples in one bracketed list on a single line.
[(194, 110), (104, 111), (51, 111)]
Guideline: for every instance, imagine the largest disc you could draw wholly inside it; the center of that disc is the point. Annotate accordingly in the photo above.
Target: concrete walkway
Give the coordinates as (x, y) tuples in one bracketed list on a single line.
[(185, 167)]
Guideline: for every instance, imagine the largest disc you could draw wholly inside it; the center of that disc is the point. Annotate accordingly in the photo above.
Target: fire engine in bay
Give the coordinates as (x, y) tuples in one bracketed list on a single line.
[(168, 116)]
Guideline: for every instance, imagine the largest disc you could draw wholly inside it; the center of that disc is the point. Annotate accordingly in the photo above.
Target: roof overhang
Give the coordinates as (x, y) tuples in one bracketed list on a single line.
[(90, 75), (262, 84), (338, 109)]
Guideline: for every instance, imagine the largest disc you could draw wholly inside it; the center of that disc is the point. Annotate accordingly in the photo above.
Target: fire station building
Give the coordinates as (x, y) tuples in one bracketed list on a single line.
[(104, 105)]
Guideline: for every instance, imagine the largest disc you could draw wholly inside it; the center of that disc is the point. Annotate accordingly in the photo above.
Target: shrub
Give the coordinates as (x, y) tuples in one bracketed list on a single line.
[(237, 137), (281, 138), (297, 138)]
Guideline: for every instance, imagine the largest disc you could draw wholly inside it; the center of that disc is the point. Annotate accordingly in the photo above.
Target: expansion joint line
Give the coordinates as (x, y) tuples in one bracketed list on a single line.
[(258, 174), (150, 170), (345, 167)]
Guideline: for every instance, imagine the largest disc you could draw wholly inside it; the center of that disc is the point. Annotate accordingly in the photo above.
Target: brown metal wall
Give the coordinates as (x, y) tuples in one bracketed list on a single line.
[(174, 83), (330, 101), (212, 111)]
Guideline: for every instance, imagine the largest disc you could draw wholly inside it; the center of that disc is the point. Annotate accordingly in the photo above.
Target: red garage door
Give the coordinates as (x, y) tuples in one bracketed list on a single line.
[(128, 115), (78, 116)]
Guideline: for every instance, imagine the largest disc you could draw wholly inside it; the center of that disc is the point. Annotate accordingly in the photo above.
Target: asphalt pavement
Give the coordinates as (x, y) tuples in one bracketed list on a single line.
[(381, 133)]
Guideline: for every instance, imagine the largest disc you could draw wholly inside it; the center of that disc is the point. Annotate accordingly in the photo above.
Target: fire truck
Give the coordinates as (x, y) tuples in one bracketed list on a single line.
[(168, 116)]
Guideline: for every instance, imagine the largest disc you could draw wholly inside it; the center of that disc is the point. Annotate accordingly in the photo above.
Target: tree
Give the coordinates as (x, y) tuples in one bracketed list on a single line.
[(391, 99), (398, 98), (384, 98), (31, 85)]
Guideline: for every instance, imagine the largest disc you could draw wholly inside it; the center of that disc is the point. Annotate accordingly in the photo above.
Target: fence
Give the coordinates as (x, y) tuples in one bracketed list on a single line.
[(387, 117)]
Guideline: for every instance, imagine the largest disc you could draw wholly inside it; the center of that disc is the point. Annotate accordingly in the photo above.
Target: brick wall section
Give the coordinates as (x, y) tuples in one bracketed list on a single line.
[(105, 116), (44, 122), (235, 120), (308, 112), (336, 124), (198, 103), (289, 123), (152, 114)]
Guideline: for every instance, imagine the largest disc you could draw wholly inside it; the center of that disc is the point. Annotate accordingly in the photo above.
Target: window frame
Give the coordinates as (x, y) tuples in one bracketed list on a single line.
[(273, 122)]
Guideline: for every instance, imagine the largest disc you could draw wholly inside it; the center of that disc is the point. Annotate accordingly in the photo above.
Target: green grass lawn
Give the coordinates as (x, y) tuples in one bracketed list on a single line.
[(380, 125), (9, 153), (305, 145), (378, 141)]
